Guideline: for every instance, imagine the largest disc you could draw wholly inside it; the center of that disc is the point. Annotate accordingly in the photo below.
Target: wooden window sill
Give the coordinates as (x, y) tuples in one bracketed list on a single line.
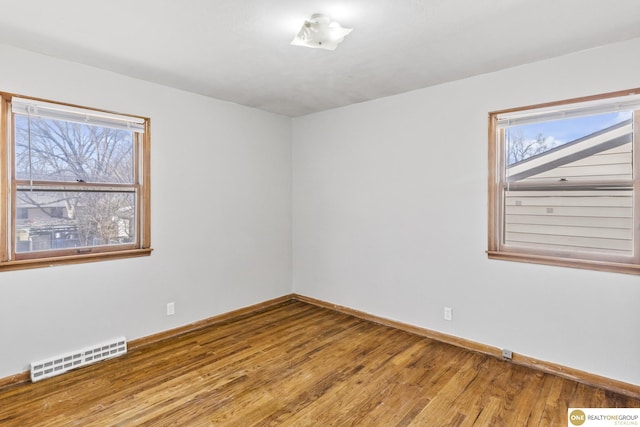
[(614, 267), (73, 259)]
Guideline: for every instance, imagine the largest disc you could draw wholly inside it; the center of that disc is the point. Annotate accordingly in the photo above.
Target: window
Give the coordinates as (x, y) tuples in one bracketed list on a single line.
[(74, 184), (563, 183)]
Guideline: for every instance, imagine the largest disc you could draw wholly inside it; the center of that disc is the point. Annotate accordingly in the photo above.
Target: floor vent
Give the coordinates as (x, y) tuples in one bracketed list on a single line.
[(65, 362)]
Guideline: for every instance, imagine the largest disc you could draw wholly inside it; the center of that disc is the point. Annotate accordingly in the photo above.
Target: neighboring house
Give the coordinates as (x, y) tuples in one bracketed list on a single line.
[(44, 227), (575, 197), (48, 227)]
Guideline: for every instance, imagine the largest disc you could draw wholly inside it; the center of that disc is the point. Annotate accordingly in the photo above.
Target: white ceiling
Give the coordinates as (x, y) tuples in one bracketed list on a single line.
[(239, 51)]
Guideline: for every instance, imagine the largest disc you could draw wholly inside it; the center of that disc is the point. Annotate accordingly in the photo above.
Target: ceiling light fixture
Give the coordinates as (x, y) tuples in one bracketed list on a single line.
[(320, 33)]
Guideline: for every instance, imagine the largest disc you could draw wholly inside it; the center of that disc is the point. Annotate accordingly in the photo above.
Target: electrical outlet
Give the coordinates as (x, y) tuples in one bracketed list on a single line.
[(171, 309), (448, 313), (507, 354)]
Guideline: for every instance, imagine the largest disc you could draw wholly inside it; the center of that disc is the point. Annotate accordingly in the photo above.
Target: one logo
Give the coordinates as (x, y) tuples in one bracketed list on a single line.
[(577, 417)]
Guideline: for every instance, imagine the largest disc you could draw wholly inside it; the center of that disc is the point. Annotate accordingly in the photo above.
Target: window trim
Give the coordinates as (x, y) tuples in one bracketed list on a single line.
[(9, 260), (496, 178)]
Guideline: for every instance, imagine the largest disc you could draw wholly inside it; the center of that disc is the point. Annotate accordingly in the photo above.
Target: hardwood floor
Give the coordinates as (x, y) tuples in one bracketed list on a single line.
[(296, 364)]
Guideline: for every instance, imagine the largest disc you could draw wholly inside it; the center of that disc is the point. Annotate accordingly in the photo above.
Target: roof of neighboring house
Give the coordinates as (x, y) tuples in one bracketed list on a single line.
[(597, 142)]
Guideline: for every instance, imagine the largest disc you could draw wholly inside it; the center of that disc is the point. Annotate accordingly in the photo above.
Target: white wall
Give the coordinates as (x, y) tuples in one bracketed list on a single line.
[(221, 218), (390, 217)]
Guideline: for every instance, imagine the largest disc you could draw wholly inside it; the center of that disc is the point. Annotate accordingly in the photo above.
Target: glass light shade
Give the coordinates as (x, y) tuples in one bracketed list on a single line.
[(320, 33)]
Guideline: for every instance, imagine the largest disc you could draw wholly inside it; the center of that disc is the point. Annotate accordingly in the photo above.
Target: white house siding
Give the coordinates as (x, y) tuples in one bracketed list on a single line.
[(613, 164), (587, 221)]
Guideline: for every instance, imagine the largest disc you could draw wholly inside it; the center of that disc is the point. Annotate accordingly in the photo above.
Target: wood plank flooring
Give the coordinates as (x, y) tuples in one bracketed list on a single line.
[(296, 364)]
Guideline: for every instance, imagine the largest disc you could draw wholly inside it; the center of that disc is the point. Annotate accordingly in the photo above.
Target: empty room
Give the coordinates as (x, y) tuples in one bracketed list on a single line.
[(319, 213)]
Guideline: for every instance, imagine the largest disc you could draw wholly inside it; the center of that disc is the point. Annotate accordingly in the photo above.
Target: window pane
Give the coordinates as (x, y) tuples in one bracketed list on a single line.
[(590, 148), (599, 221), (55, 150), (58, 220)]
